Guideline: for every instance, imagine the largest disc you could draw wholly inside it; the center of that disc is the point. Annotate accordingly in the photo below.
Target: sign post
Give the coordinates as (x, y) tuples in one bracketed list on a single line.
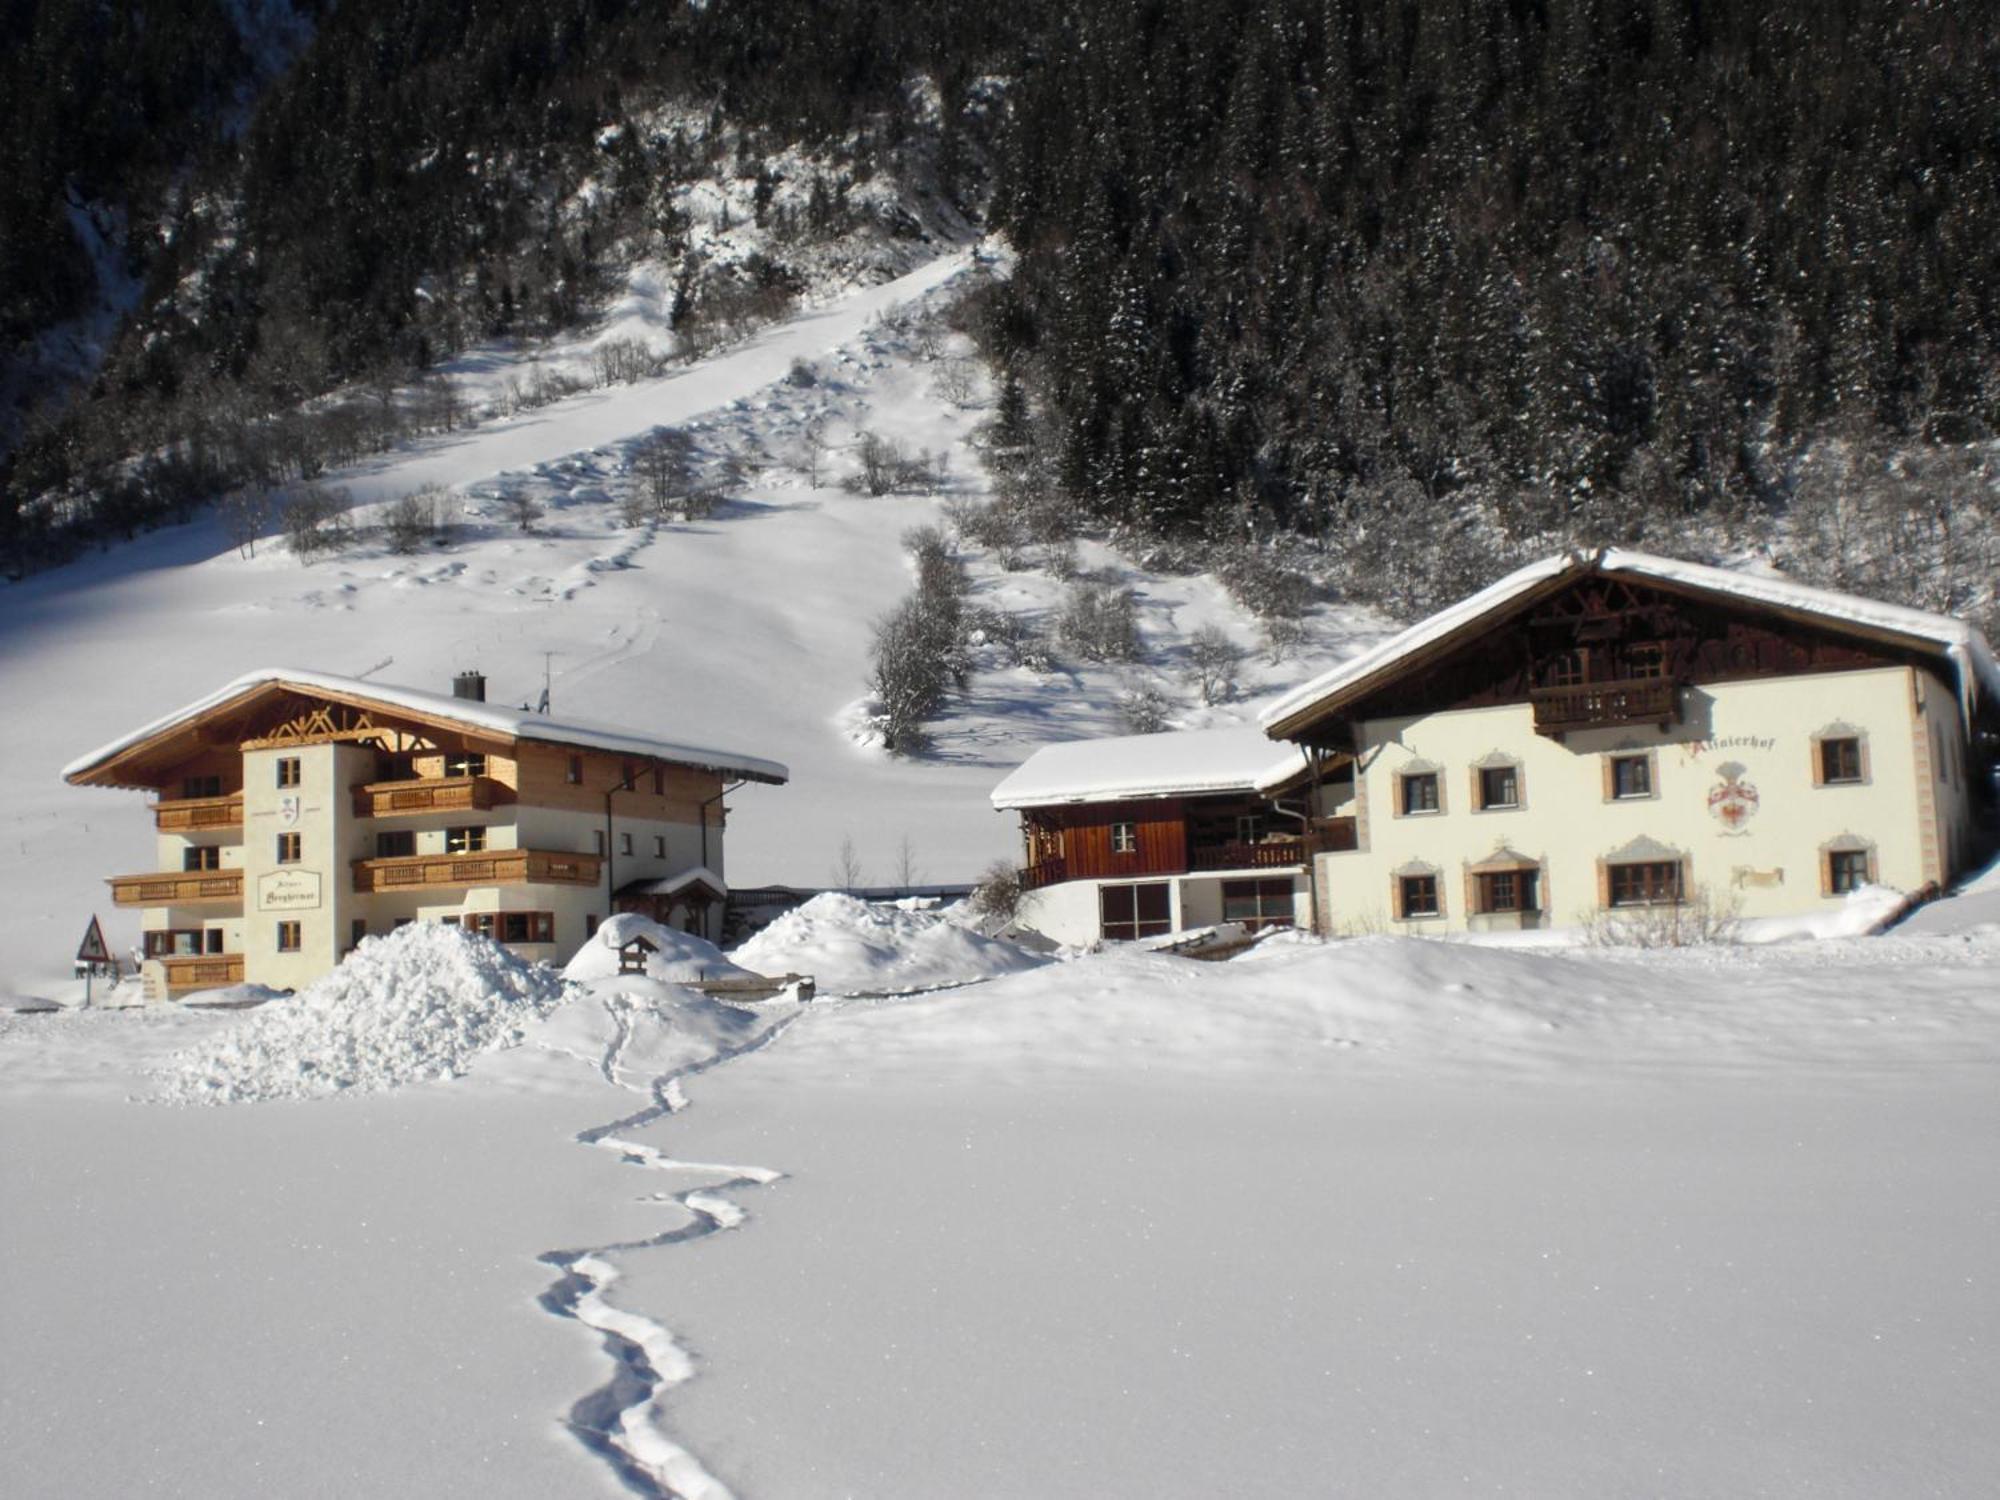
[(91, 953)]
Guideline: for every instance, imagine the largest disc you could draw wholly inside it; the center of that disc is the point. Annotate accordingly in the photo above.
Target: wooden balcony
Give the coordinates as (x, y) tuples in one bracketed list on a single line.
[(170, 889), (401, 799), (489, 867), (198, 814), (1597, 705), (1051, 871), (1269, 854), (202, 971)]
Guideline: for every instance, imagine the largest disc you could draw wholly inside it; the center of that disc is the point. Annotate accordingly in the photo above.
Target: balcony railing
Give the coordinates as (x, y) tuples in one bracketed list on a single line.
[(397, 799), (197, 814), (1270, 854), (1590, 705), (1051, 871), (491, 867), (169, 889), (204, 971)]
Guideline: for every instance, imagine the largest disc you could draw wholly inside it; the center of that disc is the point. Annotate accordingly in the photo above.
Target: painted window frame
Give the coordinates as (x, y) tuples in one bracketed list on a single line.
[(1483, 802), (1653, 893), (290, 772), (1406, 784), (1823, 743), (1648, 759), (291, 849), (291, 937), (1407, 883), (1525, 883)]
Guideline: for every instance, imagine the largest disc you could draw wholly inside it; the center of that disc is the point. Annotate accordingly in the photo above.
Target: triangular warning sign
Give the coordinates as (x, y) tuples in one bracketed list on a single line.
[(92, 950)]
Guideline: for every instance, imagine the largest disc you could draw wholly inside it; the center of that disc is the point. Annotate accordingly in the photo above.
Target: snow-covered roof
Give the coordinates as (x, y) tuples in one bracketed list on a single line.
[(1184, 763), (1968, 651), (673, 885), (492, 718)]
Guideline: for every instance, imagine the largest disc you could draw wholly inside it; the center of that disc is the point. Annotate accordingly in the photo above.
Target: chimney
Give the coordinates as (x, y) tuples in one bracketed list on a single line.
[(470, 685)]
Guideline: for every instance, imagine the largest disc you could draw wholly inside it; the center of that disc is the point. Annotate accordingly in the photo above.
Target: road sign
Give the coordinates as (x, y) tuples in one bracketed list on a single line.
[(92, 950)]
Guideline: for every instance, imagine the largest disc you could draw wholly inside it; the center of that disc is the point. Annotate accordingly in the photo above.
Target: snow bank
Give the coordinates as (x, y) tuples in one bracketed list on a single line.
[(851, 946), (683, 958), (420, 1002)]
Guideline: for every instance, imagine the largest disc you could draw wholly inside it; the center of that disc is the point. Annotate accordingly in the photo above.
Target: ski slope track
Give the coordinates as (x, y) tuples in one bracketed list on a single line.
[(620, 1421)]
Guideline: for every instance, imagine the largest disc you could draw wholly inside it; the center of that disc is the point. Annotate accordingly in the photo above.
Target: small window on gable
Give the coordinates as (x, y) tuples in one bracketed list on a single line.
[(1418, 793), (1499, 786), (289, 848), (1839, 760), (1124, 838), (659, 781), (288, 770), (289, 940), (1417, 896), (1631, 776)]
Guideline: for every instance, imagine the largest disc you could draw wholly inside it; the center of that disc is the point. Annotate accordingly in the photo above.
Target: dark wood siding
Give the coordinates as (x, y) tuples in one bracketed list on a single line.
[(1162, 840)]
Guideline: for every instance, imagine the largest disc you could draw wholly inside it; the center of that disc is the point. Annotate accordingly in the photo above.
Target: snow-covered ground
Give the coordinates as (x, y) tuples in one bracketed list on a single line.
[(1381, 1217)]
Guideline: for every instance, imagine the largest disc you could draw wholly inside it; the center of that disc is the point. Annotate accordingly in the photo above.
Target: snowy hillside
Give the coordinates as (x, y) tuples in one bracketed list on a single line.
[(749, 628)]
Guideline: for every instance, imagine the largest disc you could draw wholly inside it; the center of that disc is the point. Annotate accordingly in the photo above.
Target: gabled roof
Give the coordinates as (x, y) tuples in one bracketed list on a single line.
[(1971, 658), (1183, 763), (483, 718)]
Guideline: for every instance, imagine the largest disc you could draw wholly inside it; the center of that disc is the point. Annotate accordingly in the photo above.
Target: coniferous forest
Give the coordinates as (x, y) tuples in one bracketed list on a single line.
[(1423, 285)]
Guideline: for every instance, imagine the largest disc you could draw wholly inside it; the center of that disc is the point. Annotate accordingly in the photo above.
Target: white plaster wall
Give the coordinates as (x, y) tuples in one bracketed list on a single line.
[(1759, 734)]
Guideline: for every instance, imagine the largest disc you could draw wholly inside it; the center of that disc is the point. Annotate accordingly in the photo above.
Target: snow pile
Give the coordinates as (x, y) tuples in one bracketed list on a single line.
[(420, 1002), (851, 946), (682, 958)]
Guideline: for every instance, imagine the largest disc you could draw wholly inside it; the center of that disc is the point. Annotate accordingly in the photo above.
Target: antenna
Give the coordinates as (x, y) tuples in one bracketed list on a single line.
[(384, 662), (543, 706)]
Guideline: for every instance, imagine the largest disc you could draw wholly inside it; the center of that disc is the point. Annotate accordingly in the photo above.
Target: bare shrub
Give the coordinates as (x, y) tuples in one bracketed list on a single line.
[(996, 900), (1213, 659), (1099, 623), (954, 380), (522, 508), (1142, 709), (664, 462), (1697, 918), (622, 361), (1014, 637), (414, 520), (244, 513), (1282, 639), (315, 523)]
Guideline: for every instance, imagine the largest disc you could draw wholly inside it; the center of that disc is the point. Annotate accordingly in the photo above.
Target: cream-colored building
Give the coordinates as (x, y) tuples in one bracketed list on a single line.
[(1635, 736), (1147, 835), (299, 812)]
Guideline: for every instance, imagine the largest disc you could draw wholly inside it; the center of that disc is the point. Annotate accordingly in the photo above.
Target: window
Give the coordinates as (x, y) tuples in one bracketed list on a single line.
[(201, 786), (288, 848), (574, 774), (514, 926), (201, 858), (1631, 776), (1257, 904), (288, 937), (659, 846), (1124, 838), (1846, 870), (464, 840), (1653, 882), (1126, 912), (288, 770), (356, 931), (1499, 786), (470, 763), (597, 842), (1420, 792), (624, 843), (399, 845), (174, 942), (1839, 760), (659, 781), (1507, 890), (1249, 827), (214, 936), (1417, 896)]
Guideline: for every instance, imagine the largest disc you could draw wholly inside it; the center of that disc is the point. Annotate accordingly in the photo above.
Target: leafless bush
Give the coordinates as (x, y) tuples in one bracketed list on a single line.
[(621, 361), (1282, 638), (1142, 709), (1697, 918), (244, 513), (521, 507), (1212, 662), (886, 467), (415, 519), (315, 523), (664, 462), (953, 380), (1013, 636), (1058, 560), (1099, 623), (996, 900)]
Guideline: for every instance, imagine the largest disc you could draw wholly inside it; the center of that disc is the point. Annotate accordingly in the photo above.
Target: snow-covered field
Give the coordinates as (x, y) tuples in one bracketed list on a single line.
[(1376, 1218), (1382, 1217)]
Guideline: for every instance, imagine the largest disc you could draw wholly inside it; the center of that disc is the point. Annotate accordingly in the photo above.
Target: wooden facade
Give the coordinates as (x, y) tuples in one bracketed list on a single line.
[(1167, 836)]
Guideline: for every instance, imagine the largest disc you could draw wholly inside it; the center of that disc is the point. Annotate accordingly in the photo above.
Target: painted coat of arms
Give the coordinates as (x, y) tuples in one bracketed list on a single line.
[(1735, 801)]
